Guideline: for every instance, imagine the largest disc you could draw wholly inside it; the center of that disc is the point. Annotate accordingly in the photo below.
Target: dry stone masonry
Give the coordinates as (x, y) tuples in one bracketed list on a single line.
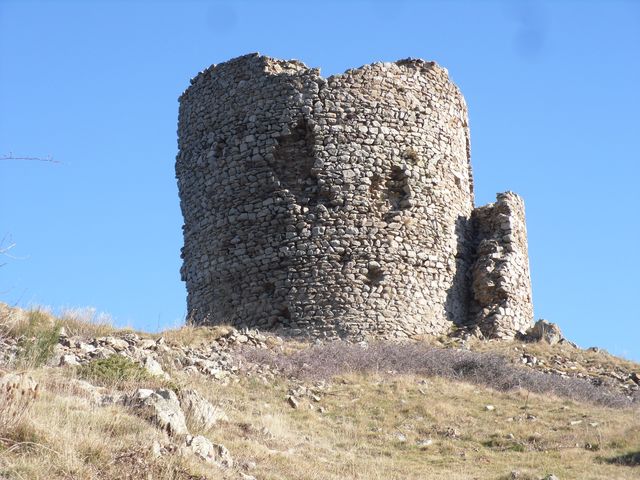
[(342, 206)]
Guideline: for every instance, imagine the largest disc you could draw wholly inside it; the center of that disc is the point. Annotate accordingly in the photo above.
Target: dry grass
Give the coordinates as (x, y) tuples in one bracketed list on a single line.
[(66, 437), (373, 425), (84, 323), (372, 428), (391, 412), (15, 402)]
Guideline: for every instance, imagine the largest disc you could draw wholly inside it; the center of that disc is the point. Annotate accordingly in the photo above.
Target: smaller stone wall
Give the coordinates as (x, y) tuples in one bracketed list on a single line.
[(501, 283)]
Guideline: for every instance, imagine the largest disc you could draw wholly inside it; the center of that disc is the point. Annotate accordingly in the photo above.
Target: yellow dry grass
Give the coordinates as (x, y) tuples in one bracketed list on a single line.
[(371, 427)]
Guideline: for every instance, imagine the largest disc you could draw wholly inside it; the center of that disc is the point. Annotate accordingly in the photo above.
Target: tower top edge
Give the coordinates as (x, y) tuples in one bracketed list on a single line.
[(264, 65)]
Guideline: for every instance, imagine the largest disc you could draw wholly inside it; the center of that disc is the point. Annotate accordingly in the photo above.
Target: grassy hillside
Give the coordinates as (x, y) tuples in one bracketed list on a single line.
[(294, 410)]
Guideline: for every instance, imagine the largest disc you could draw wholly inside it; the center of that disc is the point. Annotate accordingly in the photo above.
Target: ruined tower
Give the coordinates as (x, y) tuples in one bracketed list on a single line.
[(342, 206)]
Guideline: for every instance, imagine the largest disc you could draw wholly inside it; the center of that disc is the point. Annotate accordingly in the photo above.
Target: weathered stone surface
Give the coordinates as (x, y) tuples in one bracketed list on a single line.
[(544, 331), (153, 367), (98, 396), (160, 407), (210, 452), (69, 359), (199, 410), (117, 344), (500, 279), (341, 206)]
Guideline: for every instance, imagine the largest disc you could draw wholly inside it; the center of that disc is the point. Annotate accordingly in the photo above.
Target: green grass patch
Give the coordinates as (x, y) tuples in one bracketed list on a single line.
[(111, 371)]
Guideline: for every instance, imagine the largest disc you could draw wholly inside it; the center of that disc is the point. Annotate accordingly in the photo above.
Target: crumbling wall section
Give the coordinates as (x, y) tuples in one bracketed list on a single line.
[(500, 277)]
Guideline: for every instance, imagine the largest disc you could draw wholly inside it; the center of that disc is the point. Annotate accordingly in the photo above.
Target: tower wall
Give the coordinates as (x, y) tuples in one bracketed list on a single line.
[(336, 206), (501, 283)]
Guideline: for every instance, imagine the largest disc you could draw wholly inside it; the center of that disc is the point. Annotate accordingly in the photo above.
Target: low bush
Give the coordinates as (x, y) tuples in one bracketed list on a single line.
[(335, 358), (629, 459), (112, 371)]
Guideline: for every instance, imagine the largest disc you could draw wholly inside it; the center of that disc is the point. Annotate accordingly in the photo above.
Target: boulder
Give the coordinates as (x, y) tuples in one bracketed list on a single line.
[(147, 344), (210, 452), (117, 344), (160, 407), (98, 396), (153, 367), (69, 360), (544, 331), (201, 413)]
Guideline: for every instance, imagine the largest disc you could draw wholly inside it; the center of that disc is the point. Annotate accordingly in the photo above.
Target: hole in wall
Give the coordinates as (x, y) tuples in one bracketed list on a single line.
[(293, 160), (375, 185), (285, 313), (398, 188), (219, 149), (269, 288), (375, 275)]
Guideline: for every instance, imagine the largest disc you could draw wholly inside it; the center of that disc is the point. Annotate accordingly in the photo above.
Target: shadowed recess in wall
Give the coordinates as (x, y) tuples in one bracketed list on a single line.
[(293, 160), (391, 193), (398, 189), (458, 294)]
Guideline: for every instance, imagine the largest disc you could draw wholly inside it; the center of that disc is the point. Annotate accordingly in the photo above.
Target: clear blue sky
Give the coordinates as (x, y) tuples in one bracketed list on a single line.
[(552, 89)]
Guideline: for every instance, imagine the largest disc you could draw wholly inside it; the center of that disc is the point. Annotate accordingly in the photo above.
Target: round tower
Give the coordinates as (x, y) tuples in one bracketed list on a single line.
[(332, 206)]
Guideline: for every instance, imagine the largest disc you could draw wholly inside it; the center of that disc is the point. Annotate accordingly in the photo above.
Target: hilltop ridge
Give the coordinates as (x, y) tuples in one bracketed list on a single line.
[(217, 402)]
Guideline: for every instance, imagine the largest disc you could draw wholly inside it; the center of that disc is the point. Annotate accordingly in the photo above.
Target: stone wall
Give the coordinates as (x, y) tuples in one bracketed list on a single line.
[(330, 207), (501, 283)]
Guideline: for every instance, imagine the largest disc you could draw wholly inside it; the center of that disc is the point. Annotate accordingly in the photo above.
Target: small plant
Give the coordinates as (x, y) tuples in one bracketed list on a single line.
[(38, 338), (112, 370), (630, 459), (411, 154), (16, 396)]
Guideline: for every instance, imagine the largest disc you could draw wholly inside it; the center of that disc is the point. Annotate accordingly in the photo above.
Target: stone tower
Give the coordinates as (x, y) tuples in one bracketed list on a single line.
[(342, 206)]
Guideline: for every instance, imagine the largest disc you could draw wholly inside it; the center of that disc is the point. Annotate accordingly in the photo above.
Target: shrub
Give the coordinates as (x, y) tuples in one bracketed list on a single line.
[(630, 459), (112, 370), (489, 369)]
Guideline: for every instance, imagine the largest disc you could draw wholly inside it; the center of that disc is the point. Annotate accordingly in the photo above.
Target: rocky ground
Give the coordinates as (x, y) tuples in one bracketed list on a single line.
[(222, 403)]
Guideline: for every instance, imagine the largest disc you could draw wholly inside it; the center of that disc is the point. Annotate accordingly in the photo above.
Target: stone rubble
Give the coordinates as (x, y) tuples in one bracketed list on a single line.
[(624, 380), (214, 359), (219, 361), (207, 451)]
